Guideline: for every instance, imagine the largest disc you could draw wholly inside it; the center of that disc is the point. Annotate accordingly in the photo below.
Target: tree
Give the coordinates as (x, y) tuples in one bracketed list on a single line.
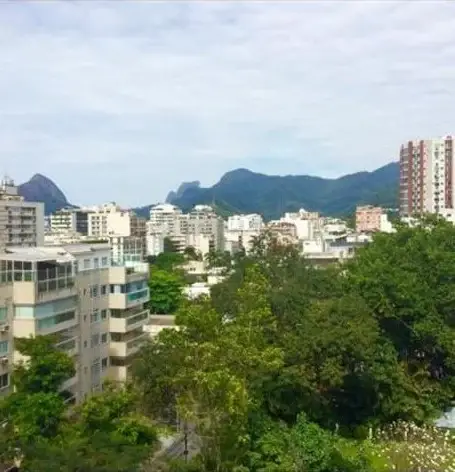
[(407, 279), (219, 259), (168, 261), (212, 391), (191, 253), (105, 433), (165, 291)]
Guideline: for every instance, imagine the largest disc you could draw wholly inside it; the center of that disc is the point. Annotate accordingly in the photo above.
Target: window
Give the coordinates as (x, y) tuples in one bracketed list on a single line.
[(3, 313), (86, 263), (55, 320), (4, 381), (95, 340), (103, 314), (103, 289), (95, 316), (94, 290), (104, 261), (96, 263), (104, 338), (85, 343), (3, 348), (104, 363)]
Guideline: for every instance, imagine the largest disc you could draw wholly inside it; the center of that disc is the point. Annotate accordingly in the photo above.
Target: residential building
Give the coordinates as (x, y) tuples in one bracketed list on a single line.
[(69, 221), (164, 218), (127, 250), (112, 220), (250, 222), (427, 176), (21, 222), (200, 228), (97, 311), (368, 218)]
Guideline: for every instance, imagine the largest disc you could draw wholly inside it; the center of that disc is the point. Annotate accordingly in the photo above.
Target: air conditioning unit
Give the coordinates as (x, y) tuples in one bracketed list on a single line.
[(4, 328), (4, 359)]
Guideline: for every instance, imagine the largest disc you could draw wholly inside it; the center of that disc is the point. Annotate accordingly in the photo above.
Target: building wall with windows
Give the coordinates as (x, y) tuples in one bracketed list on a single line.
[(21, 222), (70, 291)]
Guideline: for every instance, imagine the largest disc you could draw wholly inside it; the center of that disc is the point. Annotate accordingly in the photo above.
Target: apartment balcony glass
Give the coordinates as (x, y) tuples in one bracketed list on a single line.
[(122, 321), (126, 344), (48, 276)]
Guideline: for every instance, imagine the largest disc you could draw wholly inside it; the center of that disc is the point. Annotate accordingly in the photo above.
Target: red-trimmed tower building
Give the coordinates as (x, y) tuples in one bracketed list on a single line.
[(427, 177)]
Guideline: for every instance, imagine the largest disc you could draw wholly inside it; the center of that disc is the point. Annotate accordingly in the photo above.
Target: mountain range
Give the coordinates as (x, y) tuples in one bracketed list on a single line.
[(244, 191)]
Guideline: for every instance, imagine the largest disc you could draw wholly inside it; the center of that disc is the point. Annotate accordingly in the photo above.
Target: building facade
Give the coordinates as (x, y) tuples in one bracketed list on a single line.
[(112, 220), (427, 177), (69, 220), (95, 310), (21, 222), (368, 218), (251, 222)]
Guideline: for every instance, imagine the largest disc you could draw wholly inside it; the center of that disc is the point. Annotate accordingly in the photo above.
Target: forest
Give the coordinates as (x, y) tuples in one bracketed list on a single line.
[(285, 367)]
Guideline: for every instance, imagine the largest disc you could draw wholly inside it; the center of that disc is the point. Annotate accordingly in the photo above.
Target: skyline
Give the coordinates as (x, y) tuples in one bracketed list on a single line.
[(188, 91)]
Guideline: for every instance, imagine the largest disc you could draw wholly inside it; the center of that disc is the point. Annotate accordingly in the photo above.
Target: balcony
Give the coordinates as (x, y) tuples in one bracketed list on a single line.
[(127, 344), (69, 346), (122, 301), (122, 321), (122, 275), (70, 383)]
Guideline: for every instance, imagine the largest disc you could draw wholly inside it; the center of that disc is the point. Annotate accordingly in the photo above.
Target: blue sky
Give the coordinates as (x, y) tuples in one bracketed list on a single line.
[(123, 101)]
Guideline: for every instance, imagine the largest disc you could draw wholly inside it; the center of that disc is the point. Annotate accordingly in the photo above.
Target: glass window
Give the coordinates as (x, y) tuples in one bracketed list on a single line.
[(94, 290), (95, 340), (3, 313), (103, 314), (104, 338), (96, 263), (104, 261), (95, 316), (3, 348), (104, 363), (55, 320), (4, 380), (86, 263), (103, 289)]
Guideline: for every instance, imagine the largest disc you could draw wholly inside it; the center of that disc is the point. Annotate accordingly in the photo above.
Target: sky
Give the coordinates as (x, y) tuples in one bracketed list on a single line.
[(122, 101)]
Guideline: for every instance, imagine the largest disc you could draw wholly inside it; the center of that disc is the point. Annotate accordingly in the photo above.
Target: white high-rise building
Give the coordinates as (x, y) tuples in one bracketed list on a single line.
[(21, 222), (200, 228), (112, 220), (69, 221), (251, 222), (427, 177)]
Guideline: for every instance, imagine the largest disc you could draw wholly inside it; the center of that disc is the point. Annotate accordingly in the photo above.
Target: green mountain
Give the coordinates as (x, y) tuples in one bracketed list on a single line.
[(244, 191)]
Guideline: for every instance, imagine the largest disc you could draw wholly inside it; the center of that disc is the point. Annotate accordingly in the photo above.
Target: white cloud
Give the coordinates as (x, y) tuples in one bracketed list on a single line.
[(155, 93)]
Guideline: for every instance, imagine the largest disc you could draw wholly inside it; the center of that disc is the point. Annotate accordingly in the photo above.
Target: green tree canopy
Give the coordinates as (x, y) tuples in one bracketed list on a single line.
[(165, 291)]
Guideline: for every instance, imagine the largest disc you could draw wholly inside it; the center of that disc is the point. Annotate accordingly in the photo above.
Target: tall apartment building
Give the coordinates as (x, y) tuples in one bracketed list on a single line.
[(69, 220), (427, 177), (200, 228), (96, 311), (21, 222), (110, 219), (251, 222)]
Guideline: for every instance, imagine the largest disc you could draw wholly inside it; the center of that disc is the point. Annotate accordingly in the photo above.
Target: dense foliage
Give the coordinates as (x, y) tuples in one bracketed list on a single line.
[(292, 367), (105, 433), (243, 191)]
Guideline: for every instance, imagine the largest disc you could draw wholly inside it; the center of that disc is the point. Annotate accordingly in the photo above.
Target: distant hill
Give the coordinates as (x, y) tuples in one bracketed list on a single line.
[(244, 191), (184, 186), (41, 189)]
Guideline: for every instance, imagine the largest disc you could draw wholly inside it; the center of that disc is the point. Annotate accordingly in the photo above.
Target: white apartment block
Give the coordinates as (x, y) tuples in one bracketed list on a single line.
[(21, 222), (111, 220), (96, 311), (200, 228), (127, 250), (251, 222), (69, 221), (427, 177)]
